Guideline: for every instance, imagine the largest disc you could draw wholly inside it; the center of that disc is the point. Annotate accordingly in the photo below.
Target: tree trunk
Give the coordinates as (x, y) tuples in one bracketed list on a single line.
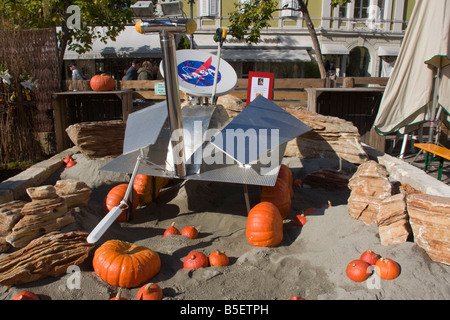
[(313, 34), (64, 39), (61, 50)]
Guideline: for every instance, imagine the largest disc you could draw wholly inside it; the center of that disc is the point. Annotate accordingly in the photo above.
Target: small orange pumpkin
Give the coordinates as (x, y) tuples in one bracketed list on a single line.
[(150, 291), (148, 187), (26, 295), (370, 257), (358, 270), (300, 220), (195, 260), (171, 231), (102, 82), (126, 265), (218, 259), (387, 268), (296, 298), (264, 225), (115, 196), (190, 232), (71, 163), (119, 296)]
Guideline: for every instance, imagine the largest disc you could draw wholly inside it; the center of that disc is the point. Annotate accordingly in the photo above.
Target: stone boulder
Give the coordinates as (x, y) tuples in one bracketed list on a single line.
[(330, 137), (47, 256), (10, 214), (40, 216), (430, 223), (369, 187), (393, 220), (76, 193), (98, 139)]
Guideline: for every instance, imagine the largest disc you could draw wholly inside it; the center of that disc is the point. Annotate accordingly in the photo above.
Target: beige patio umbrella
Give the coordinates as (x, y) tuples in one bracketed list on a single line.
[(418, 89)]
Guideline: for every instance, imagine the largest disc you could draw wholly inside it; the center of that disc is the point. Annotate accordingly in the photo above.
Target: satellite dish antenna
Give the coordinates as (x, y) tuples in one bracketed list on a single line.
[(196, 71)]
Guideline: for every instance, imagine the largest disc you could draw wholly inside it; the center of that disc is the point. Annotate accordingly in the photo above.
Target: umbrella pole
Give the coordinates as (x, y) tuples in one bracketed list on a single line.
[(433, 117)]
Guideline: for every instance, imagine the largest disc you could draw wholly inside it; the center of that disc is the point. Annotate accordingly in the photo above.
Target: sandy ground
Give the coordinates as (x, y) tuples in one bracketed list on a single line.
[(310, 262)]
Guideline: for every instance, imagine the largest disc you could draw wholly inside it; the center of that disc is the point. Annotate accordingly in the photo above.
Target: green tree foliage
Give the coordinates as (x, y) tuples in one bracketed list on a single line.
[(111, 15), (251, 16)]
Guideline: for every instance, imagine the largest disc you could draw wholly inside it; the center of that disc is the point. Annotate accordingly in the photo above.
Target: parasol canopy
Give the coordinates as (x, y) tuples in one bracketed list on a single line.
[(419, 83)]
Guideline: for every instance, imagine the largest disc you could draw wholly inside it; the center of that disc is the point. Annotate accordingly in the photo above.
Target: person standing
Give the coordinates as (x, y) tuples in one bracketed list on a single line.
[(132, 71), (146, 71), (76, 74)]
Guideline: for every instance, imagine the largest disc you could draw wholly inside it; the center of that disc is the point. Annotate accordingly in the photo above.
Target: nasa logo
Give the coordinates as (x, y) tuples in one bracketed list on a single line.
[(198, 73)]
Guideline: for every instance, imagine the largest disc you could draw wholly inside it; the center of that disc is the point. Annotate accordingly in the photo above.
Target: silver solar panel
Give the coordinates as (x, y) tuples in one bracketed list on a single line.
[(148, 134)]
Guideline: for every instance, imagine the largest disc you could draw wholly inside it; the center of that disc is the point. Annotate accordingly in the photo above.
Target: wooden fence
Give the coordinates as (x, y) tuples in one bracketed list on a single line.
[(26, 121), (285, 92), (355, 99)]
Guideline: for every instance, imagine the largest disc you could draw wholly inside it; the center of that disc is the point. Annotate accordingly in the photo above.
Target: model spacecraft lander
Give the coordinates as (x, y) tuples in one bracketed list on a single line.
[(166, 140)]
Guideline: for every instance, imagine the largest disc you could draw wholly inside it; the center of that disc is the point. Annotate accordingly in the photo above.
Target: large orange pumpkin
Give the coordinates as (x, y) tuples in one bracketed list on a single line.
[(278, 195), (102, 82), (264, 225), (286, 174), (123, 264), (148, 187), (115, 196)]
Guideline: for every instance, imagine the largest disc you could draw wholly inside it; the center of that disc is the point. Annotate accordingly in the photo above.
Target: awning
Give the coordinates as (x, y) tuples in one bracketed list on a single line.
[(328, 48), (268, 55), (206, 41), (129, 44), (132, 44), (388, 51)]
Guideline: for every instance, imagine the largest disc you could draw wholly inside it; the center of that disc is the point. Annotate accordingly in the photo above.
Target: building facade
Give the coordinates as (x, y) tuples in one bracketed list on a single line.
[(361, 38)]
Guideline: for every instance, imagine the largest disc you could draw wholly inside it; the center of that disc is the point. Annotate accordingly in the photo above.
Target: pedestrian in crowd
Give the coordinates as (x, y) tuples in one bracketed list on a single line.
[(124, 74), (132, 71), (76, 74), (146, 71)]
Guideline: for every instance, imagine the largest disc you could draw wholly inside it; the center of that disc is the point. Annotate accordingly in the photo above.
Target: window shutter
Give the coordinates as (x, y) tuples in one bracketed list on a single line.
[(208, 8), (203, 8), (213, 7), (290, 4)]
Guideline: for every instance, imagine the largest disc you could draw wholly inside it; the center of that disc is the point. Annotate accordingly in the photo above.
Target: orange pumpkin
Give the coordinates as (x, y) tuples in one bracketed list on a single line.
[(300, 220), (264, 225), (387, 268), (171, 231), (119, 296), (195, 260), (358, 270), (279, 195), (148, 187), (190, 232), (102, 82), (150, 291), (296, 298), (370, 257), (115, 196), (26, 295), (218, 259), (123, 264), (286, 175)]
